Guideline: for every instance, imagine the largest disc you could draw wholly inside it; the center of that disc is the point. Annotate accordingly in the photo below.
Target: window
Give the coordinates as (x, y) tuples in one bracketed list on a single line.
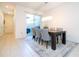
[(29, 19), (33, 20)]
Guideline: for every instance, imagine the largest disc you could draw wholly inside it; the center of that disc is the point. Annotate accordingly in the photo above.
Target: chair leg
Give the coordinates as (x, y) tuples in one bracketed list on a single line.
[(46, 44), (33, 37), (36, 39), (39, 41), (42, 42)]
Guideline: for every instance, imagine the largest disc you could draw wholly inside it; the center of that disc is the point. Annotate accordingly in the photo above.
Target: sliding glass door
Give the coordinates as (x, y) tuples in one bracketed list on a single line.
[(37, 21), (32, 21)]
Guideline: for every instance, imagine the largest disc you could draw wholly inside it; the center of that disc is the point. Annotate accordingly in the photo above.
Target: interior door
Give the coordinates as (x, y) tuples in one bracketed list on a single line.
[(8, 23)]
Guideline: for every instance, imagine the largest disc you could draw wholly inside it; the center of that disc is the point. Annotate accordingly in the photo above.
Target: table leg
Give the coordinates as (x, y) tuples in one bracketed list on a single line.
[(53, 42), (64, 38)]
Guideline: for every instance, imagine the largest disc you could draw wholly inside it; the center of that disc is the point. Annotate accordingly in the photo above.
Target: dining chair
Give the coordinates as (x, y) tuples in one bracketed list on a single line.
[(38, 34), (45, 36), (33, 33)]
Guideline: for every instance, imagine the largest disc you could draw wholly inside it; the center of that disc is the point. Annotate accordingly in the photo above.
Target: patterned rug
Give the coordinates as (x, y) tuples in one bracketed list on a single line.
[(42, 51)]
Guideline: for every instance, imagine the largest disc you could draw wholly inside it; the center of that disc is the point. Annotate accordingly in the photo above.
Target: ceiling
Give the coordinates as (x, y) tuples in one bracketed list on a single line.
[(40, 6), (7, 8), (36, 6)]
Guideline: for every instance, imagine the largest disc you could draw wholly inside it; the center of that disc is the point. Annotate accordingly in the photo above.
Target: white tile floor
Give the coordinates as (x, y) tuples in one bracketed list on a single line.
[(74, 52), (11, 47)]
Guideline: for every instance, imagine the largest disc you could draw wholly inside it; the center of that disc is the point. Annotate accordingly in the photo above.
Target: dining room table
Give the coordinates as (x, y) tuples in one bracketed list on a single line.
[(54, 35)]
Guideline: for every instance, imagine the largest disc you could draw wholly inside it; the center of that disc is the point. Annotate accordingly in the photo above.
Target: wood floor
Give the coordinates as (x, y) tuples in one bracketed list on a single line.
[(11, 47)]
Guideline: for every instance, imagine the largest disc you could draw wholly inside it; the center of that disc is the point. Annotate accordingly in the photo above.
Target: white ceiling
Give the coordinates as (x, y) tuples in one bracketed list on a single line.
[(40, 6), (7, 7), (36, 6)]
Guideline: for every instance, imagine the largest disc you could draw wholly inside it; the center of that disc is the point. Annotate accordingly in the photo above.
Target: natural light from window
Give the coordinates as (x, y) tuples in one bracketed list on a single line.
[(47, 18)]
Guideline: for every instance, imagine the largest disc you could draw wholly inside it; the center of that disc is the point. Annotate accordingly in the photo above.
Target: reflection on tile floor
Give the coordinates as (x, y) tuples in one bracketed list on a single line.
[(11, 47)]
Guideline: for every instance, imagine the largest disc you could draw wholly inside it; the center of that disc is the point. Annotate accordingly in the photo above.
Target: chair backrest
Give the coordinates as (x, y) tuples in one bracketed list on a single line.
[(45, 34), (37, 30), (33, 31)]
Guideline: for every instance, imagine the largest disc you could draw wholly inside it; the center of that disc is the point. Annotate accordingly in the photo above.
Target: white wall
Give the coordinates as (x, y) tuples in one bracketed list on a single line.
[(19, 20), (67, 17)]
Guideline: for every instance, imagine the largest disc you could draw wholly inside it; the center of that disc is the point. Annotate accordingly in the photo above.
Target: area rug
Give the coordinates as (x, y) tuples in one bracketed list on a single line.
[(61, 49)]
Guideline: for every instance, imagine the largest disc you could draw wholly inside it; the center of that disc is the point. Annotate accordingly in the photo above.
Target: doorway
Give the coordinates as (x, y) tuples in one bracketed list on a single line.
[(8, 24)]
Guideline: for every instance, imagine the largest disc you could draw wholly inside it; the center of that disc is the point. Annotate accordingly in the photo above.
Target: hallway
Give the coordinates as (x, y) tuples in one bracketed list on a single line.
[(11, 47)]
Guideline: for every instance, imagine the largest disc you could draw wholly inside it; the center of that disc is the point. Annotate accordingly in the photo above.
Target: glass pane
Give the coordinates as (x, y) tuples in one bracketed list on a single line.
[(29, 18), (37, 20), (32, 21)]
